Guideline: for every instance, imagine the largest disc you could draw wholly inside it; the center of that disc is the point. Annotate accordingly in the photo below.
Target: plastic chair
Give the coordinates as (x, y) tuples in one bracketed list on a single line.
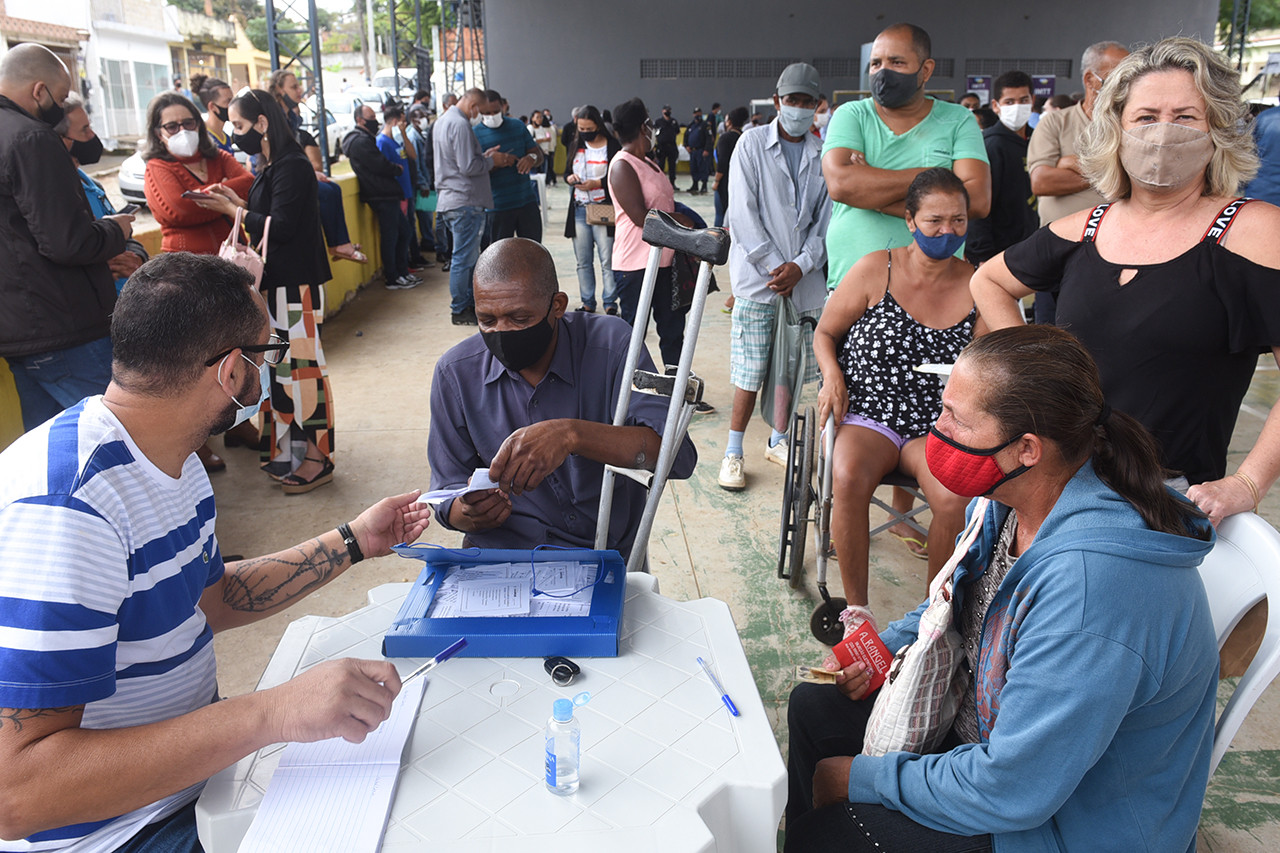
[(1242, 569)]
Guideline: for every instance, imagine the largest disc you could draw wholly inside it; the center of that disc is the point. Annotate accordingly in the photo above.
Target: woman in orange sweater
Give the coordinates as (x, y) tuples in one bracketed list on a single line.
[(181, 157)]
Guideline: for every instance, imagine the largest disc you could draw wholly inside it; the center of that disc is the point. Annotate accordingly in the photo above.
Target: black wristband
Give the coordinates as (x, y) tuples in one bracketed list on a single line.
[(349, 539)]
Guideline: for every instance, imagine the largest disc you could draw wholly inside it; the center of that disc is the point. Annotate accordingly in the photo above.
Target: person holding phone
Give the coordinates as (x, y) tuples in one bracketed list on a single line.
[(182, 158)]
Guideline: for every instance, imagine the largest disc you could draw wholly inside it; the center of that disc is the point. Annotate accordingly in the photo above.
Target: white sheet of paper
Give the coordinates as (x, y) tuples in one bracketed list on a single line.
[(332, 794), (499, 597), (479, 482)]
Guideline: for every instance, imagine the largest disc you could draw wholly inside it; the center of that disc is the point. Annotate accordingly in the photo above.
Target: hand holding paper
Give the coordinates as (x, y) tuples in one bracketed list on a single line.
[(479, 482)]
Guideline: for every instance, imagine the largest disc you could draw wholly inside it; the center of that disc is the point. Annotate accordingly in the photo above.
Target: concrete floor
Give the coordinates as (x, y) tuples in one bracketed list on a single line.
[(381, 350)]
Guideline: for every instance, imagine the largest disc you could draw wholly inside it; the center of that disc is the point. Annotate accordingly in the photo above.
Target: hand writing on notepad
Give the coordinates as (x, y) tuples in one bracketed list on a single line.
[(345, 698)]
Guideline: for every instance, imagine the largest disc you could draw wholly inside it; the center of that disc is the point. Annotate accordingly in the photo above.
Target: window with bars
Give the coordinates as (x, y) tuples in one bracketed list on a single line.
[(712, 68), (1038, 67)]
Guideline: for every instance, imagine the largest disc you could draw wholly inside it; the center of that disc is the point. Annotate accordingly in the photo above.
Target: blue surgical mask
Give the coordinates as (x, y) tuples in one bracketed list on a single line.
[(244, 412), (940, 246), (796, 121)]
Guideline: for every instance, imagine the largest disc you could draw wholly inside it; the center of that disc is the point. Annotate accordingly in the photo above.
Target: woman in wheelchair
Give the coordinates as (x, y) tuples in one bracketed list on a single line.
[(893, 311), (1090, 667)]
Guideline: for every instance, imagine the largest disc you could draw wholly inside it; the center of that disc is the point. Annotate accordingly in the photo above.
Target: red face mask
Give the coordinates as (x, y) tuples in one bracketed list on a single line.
[(966, 471)]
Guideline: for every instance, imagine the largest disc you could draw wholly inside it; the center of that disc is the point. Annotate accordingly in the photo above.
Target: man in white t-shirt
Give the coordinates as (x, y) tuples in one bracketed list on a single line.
[(112, 583)]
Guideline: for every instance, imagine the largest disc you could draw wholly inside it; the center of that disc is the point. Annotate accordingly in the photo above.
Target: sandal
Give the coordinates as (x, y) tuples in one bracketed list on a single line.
[(354, 255), (918, 549), (292, 484)]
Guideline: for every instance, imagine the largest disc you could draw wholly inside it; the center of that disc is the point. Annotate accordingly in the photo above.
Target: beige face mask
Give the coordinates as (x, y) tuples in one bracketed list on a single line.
[(1165, 156)]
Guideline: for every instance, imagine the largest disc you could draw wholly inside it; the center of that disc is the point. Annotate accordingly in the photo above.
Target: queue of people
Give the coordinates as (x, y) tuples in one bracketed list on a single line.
[(1103, 448)]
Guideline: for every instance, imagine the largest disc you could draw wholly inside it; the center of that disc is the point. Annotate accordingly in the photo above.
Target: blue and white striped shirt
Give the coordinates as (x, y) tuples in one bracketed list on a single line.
[(103, 559)]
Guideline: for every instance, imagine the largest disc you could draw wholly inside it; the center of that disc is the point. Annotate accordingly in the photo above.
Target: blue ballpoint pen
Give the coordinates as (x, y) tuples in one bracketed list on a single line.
[(715, 682), (435, 661)]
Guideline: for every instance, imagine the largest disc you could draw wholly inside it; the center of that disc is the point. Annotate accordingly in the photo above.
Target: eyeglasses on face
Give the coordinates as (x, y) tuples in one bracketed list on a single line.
[(273, 351), (172, 127)]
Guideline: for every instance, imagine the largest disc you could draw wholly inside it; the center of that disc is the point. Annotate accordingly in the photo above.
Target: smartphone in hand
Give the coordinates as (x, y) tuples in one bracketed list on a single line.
[(197, 196), (130, 209)]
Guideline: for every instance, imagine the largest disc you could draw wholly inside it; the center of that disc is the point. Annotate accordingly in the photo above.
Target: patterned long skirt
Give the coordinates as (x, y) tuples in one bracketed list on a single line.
[(300, 408)]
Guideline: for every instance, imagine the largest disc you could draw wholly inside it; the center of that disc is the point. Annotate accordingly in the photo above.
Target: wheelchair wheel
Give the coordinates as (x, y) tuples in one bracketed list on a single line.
[(795, 491), (825, 622), (802, 432)]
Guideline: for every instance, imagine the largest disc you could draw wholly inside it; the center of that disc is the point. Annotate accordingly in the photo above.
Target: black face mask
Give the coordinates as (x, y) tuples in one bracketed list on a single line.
[(289, 103), (220, 113), (892, 89), (87, 153), (371, 125), (250, 143), (51, 114), (588, 135), (520, 348)]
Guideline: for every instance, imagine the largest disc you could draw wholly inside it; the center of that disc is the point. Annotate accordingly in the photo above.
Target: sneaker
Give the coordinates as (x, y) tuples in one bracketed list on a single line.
[(446, 266), (777, 453), (419, 266), (611, 310), (404, 282), (732, 476), (702, 407), (586, 309), (465, 317)]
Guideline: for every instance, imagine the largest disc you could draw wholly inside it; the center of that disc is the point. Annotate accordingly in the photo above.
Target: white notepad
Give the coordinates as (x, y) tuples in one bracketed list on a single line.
[(332, 794)]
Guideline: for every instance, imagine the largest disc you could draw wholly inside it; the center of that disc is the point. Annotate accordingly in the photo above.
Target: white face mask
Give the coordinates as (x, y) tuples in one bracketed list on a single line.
[(796, 121), (1014, 116), (493, 121), (820, 119), (475, 119), (183, 144), (420, 123), (246, 411)]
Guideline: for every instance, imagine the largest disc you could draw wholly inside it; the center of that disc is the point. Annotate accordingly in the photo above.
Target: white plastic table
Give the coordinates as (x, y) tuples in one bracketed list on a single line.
[(664, 765)]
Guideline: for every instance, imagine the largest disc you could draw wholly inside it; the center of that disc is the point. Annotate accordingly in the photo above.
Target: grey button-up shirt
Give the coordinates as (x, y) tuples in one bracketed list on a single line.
[(476, 403), (774, 221), (462, 170)]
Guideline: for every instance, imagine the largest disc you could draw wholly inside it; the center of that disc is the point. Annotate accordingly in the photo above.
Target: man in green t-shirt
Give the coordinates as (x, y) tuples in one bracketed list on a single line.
[(875, 148)]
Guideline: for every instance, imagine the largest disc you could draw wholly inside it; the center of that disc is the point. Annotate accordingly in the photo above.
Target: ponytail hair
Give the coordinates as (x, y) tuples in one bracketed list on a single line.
[(1040, 379)]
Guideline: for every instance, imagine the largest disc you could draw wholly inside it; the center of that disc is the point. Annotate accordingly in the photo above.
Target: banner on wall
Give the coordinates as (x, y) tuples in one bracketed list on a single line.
[(1043, 86), (980, 85)]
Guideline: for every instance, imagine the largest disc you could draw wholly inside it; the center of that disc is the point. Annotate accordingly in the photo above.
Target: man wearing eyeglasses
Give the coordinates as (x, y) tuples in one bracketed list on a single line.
[(112, 583), (56, 291)]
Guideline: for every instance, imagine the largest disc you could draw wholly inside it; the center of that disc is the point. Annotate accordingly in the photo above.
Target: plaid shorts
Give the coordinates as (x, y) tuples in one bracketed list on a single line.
[(751, 339)]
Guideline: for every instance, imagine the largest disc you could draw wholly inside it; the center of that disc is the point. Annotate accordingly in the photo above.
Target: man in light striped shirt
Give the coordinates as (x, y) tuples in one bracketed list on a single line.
[(112, 584)]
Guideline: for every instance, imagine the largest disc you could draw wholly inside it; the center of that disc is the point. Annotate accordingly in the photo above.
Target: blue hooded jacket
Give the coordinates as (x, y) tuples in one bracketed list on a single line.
[(1096, 691)]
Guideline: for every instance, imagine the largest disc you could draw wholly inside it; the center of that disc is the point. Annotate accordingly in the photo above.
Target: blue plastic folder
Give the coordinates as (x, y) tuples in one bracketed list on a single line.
[(414, 635)]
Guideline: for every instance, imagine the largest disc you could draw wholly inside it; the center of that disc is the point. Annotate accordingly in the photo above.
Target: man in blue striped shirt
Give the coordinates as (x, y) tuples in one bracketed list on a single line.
[(112, 583)]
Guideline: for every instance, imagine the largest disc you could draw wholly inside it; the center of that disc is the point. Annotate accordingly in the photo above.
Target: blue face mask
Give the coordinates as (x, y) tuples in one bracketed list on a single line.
[(244, 412), (939, 247)]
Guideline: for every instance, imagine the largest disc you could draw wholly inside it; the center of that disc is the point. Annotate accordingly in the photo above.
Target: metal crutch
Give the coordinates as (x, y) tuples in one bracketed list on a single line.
[(711, 247)]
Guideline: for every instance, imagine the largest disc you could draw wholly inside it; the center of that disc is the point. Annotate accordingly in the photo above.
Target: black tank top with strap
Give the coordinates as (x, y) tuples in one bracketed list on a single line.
[(1177, 343)]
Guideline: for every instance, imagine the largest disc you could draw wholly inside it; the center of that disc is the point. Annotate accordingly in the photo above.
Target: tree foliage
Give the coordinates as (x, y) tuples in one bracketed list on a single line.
[(1263, 15)]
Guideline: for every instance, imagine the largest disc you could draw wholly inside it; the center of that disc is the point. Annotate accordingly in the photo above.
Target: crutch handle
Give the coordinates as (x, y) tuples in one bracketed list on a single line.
[(705, 244)]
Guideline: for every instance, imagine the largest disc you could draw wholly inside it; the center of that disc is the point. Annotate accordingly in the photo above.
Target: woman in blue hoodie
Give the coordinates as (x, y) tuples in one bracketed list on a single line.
[(1088, 720)]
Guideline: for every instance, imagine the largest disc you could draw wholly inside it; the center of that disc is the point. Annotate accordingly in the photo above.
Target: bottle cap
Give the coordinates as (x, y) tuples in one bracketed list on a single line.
[(562, 710), (582, 698)]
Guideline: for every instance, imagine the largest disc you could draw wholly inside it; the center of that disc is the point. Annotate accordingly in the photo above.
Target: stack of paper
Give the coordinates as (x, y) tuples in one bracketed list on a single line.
[(332, 794), (515, 589)]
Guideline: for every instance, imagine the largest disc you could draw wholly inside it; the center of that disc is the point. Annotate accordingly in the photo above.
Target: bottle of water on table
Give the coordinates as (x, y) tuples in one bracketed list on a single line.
[(564, 748)]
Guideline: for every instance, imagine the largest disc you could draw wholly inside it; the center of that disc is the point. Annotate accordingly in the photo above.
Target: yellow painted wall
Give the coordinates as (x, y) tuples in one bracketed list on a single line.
[(348, 278)]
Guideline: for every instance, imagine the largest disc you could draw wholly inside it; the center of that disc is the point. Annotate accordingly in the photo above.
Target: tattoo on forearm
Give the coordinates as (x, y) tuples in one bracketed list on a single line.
[(269, 582), (15, 717)]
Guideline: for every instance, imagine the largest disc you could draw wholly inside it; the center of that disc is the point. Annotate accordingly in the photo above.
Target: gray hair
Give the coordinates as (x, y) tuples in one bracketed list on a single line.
[(1093, 54), (70, 105), (1235, 156)]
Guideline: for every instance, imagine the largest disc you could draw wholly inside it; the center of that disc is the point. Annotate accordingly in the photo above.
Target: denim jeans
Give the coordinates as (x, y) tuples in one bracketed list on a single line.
[(584, 237), (466, 225), (670, 323), (174, 834), (426, 230), (333, 217), (48, 382), (394, 233)]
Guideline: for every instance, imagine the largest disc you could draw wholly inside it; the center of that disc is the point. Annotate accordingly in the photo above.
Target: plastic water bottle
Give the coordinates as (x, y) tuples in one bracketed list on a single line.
[(564, 748)]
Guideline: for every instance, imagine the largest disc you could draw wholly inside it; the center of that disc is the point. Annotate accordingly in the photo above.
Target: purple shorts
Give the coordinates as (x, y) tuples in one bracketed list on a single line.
[(875, 426)]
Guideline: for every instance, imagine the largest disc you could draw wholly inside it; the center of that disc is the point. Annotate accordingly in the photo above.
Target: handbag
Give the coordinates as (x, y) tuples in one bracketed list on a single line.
[(784, 371), (426, 202), (921, 696), (600, 214), (244, 255)]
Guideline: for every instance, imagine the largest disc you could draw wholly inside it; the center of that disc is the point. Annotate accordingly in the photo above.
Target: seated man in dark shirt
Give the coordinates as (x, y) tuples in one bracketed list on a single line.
[(532, 397)]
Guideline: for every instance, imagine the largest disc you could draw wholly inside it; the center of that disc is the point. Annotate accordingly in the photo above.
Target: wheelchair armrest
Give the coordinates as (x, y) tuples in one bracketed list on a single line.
[(707, 244)]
